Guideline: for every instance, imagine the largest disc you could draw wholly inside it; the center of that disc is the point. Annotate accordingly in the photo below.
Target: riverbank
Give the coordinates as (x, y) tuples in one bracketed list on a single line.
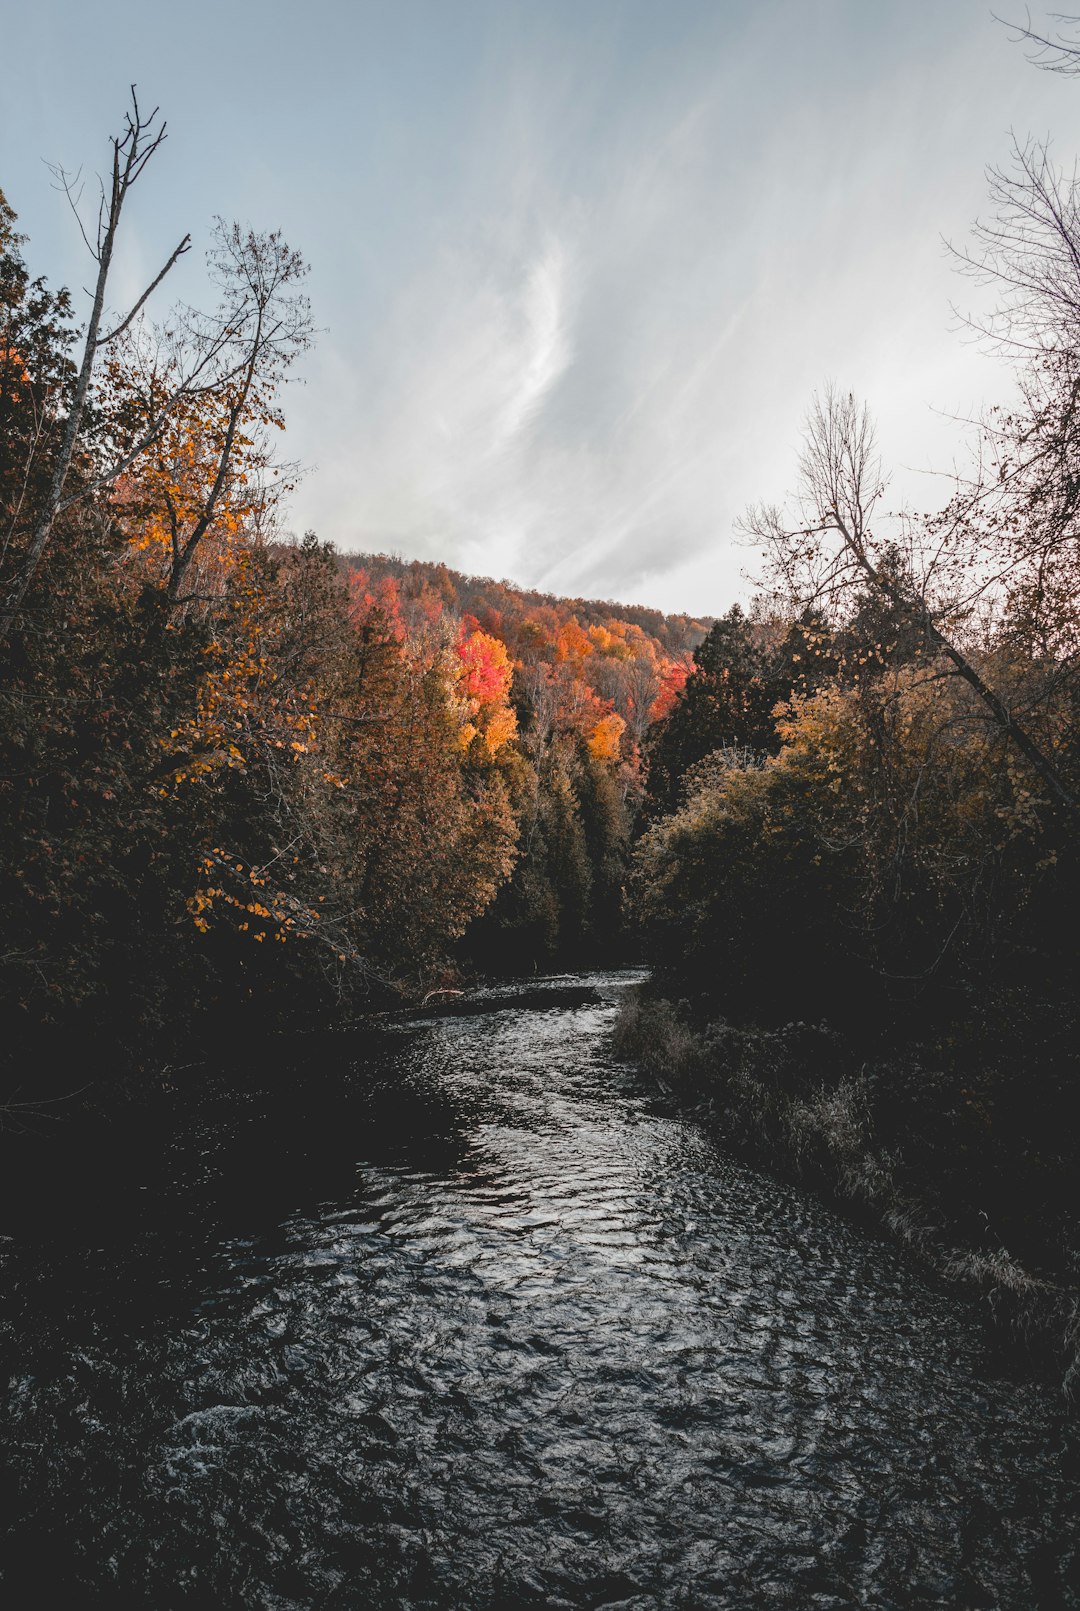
[(221, 1118), (61, 1079), (881, 1139)]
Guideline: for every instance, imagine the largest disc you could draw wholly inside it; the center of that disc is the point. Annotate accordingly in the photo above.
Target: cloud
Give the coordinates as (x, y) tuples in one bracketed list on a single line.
[(611, 350), (440, 427), (539, 403)]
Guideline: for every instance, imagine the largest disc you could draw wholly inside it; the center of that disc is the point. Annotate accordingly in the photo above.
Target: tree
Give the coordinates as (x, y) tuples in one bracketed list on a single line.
[(131, 151), (147, 384), (990, 581), (727, 701), (835, 549), (427, 832), (199, 396), (36, 380)]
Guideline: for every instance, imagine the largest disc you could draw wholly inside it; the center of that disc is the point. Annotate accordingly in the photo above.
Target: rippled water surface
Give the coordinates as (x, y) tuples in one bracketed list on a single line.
[(533, 1341)]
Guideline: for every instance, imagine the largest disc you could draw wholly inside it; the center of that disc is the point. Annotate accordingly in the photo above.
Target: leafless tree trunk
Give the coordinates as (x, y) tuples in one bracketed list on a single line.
[(131, 151)]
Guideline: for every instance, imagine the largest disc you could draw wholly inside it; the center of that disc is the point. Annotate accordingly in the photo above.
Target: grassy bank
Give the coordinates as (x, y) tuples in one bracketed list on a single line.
[(886, 1139)]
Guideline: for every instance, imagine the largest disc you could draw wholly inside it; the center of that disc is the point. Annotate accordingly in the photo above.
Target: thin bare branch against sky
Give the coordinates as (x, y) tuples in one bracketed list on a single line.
[(580, 264)]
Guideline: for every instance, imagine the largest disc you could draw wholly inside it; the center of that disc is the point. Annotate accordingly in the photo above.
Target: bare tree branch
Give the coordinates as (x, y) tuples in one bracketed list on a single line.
[(1053, 55), (184, 246)]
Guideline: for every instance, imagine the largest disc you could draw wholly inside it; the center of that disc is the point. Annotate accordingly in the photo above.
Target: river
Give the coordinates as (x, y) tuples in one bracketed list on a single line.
[(516, 1333)]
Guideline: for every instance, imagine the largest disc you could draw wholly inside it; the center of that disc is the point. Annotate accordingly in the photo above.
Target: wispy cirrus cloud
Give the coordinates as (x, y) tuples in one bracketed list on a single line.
[(434, 440)]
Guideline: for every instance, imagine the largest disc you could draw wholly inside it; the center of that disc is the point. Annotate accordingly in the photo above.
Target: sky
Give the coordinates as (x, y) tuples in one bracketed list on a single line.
[(578, 268)]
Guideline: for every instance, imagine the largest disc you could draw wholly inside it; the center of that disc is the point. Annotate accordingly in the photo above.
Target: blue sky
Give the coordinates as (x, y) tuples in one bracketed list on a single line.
[(578, 267)]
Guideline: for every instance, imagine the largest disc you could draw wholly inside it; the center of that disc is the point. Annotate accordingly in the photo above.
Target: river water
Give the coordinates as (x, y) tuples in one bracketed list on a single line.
[(520, 1336)]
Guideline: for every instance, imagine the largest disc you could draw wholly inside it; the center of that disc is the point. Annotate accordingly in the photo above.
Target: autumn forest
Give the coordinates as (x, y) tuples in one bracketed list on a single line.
[(250, 780)]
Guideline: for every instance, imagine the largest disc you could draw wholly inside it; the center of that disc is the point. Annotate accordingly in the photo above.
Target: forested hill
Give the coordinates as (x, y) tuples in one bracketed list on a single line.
[(606, 670), (564, 694), (523, 617)]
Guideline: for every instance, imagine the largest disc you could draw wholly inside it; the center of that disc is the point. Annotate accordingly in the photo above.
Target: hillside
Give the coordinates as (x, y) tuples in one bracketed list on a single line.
[(631, 658)]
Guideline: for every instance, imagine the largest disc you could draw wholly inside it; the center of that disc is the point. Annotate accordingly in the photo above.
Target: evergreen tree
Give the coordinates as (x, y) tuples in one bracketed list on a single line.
[(726, 702)]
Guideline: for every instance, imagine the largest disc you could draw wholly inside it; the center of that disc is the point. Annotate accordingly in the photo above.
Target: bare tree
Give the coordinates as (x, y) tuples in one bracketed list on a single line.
[(131, 151), (216, 375), (1029, 251), (833, 547), (1006, 545)]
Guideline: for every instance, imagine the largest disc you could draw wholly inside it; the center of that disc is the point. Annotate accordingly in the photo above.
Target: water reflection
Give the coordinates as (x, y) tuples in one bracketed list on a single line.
[(557, 1350)]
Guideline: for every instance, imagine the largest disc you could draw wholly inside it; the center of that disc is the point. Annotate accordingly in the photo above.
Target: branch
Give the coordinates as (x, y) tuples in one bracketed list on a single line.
[(1061, 55), (185, 245)]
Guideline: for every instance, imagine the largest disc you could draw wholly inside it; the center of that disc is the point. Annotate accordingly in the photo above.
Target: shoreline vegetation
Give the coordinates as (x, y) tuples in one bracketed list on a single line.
[(796, 1101)]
